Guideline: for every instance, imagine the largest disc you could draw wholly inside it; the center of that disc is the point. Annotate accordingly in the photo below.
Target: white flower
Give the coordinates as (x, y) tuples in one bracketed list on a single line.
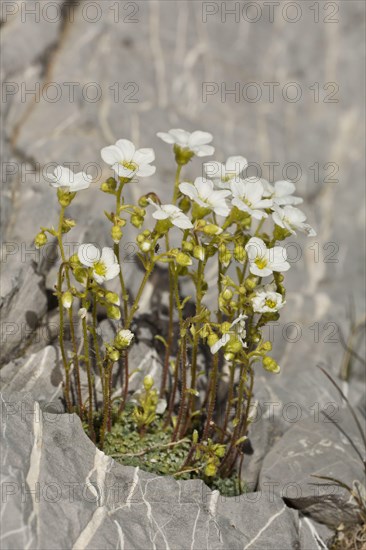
[(237, 329), (65, 178), (202, 192), (173, 213), (291, 218), (281, 192), (267, 300), (196, 142), (104, 264), (126, 161), (248, 197), (223, 174), (263, 260)]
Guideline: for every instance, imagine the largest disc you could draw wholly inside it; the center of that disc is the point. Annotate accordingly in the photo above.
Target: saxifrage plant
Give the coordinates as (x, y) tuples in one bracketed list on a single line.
[(222, 219)]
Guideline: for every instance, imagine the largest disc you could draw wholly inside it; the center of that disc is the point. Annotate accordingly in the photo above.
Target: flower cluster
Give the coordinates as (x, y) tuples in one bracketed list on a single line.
[(239, 223)]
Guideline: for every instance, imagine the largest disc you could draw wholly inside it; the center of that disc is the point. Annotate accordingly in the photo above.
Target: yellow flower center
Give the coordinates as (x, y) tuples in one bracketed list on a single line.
[(260, 263), (100, 269), (270, 303), (130, 165)]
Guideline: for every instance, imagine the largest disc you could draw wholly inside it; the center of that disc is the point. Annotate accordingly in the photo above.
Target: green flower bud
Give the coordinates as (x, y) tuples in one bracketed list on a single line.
[(143, 202), (67, 225), (74, 261), (210, 470), (234, 346), (212, 339), (116, 233), (40, 240), (137, 221), (67, 299), (148, 382), (267, 346), (212, 229), (227, 294), (240, 253), (225, 327), (199, 253), (187, 246), (109, 186), (80, 274), (183, 259), (229, 356), (113, 312), (112, 298), (113, 354), (271, 365), (250, 283), (195, 437)]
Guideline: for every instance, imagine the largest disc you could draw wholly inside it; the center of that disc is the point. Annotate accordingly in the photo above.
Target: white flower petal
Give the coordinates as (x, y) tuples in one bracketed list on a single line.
[(88, 254), (108, 257), (144, 156), (188, 189), (198, 138), (111, 154), (127, 149), (204, 150)]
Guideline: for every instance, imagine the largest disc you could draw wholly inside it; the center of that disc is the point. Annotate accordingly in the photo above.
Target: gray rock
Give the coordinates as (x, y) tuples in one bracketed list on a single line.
[(59, 491), (23, 302), (316, 447), (39, 374)]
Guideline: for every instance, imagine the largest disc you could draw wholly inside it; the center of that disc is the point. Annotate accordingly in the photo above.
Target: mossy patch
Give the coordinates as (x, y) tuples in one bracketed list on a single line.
[(155, 452)]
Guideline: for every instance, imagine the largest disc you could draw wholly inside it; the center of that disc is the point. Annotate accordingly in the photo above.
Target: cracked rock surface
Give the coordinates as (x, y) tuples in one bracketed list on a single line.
[(50, 481)]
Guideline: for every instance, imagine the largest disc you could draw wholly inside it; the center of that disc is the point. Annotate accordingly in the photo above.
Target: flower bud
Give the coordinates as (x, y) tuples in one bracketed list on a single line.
[(116, 233), (143, 202), (148, 382), (271, 365), (212, 229), (210, 470), (137, 221), (227, 294), (199, 253), (187, 246), (250, 283), (80, 274), (234, 346), (229, 356), (267, 346), (183, 259), (40, 240), (112, 298), (123, 339), (240, 253), (212, 339), (145, 246), (67, 225), (113, 312), (67, 299), (109, 186), (112, 353), (225, 327)]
